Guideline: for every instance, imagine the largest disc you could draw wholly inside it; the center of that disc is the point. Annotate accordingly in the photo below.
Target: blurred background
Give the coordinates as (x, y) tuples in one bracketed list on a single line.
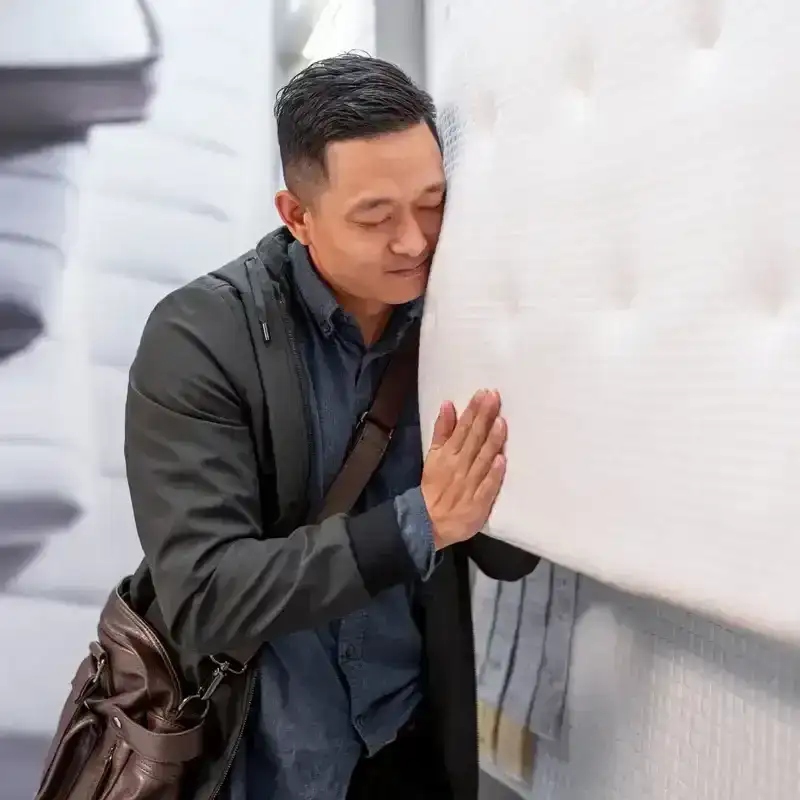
[(137, 151)]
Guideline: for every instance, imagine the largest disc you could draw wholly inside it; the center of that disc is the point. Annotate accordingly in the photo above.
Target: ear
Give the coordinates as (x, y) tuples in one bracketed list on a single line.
[(293, 213)]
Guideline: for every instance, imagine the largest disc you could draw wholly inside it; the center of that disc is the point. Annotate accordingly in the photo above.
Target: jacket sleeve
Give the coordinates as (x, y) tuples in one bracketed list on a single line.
[(499, 560), (222, 584)]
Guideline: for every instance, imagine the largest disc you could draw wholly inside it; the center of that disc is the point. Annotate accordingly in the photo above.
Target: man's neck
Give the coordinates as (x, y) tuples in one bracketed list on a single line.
[(371, 317)]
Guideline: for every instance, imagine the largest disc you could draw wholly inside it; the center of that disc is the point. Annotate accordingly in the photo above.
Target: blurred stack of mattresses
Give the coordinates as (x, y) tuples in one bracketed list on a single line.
[(65, 67), (161, 203)]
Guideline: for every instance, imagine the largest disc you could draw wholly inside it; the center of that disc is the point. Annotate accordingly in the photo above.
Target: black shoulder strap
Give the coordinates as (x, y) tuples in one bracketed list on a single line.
[(258, 278), (286, 394)]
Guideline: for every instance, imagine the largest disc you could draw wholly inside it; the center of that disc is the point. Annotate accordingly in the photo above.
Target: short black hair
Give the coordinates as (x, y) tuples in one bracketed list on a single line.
[(349, 96)]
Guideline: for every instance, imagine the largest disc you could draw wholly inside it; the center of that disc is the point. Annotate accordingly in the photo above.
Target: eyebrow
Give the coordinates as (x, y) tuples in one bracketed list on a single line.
[(370, 203)]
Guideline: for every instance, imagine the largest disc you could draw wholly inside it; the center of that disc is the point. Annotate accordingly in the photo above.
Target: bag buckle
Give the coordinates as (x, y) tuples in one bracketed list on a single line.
[(100, 661), (367, 418), (222, 669)]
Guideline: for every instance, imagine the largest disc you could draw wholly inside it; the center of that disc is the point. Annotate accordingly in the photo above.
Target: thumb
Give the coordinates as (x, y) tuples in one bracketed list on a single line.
[(445, 425)]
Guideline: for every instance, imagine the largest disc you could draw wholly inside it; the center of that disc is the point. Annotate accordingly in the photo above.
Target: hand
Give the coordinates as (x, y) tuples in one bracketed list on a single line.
[(464, 468)]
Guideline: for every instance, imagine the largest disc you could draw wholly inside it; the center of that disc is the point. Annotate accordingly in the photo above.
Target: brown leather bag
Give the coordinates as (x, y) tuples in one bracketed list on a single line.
[(127, 732)]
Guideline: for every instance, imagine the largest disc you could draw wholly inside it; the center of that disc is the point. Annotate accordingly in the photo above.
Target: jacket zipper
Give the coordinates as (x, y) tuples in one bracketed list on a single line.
[(251, 690)]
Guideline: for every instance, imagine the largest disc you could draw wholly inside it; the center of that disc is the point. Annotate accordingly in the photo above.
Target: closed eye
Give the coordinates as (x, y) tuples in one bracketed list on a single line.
[(433, 203), (370, 223)]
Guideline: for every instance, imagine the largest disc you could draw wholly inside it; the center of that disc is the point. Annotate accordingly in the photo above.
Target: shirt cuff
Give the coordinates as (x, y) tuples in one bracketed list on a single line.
[(417, 531)]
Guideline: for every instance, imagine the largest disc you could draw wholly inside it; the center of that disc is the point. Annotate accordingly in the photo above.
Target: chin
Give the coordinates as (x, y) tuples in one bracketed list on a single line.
[(406, 287), (406, 292)]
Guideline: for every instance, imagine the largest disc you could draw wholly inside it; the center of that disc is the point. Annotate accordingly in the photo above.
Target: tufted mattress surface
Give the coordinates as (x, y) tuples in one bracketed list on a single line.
[(621, 258)]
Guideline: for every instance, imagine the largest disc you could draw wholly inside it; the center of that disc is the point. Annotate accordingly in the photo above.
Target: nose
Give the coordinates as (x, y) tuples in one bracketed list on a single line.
[(409, 240)]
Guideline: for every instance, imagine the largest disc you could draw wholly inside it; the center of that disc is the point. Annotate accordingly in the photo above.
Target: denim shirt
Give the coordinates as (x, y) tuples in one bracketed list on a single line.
[(328, 696)]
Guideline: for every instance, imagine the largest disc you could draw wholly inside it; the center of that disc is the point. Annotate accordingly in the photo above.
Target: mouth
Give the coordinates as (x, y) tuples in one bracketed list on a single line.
[(412, 272)]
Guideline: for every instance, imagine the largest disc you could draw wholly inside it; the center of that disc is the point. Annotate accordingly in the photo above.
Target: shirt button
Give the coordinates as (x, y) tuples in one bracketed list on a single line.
[(349, 652)]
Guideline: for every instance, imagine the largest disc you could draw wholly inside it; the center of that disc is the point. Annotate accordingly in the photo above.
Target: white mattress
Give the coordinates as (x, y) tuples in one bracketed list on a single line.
[(38, 198), (620, 258), (619, 232), (45, 462), (100, 549), (663, 705), (71, 32), (42, 644), (161, 203)]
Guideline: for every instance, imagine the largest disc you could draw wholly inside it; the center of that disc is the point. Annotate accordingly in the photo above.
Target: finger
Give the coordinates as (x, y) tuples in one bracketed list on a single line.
[(492, 447), (465, 421), (479, 430), (445, 424), (489, 488)]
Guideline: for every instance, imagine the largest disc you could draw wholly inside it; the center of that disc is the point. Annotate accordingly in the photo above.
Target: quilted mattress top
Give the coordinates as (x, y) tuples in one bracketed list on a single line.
[(621, 258)]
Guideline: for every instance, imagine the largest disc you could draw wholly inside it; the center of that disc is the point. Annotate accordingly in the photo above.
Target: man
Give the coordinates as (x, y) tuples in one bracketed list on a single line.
[(364, 684)]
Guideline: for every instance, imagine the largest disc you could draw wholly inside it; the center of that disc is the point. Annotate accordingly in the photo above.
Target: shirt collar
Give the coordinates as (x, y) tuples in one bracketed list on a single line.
[(316, 294)]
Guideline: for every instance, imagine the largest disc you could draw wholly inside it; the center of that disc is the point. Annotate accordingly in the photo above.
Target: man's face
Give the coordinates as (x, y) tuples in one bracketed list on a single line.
[(374, 222)]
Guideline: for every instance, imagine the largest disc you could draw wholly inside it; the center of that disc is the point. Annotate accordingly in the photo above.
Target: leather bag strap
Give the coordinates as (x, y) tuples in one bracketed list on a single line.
[(374, 431)]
